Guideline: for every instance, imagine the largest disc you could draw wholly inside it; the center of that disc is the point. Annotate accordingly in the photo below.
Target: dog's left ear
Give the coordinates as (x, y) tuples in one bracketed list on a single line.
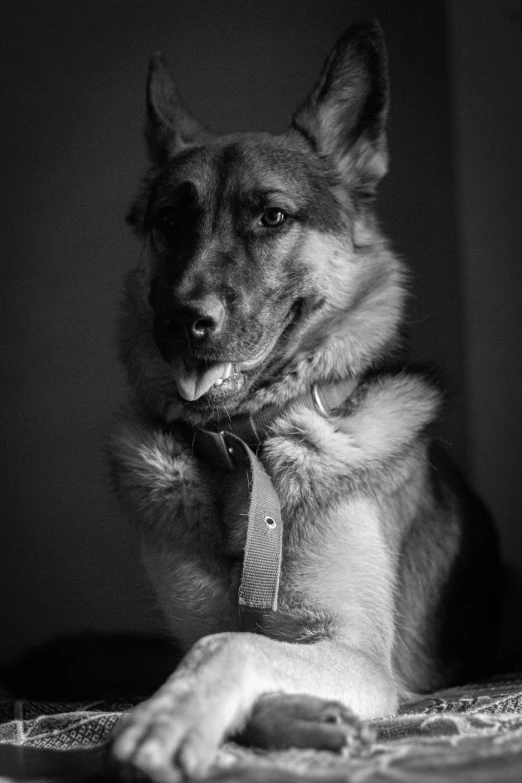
[(170, 127), (344, 117)]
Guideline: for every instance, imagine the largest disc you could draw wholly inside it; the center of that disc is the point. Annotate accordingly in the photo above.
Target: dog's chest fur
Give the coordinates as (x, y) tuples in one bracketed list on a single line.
[(328, 475)]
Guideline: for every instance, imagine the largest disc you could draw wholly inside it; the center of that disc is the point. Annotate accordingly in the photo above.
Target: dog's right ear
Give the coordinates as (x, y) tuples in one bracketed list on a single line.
[(170, 128), (344, 117)]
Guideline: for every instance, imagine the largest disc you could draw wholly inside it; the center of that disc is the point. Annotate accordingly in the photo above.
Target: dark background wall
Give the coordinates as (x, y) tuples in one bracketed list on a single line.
[(485, 45), (72, 153)]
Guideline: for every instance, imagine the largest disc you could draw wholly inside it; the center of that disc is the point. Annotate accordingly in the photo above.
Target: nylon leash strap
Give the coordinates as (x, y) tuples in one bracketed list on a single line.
[(229, 448), (264, 541), (264, 544)]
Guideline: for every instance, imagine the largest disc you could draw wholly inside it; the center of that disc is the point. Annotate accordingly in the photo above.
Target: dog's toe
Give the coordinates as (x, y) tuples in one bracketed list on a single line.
[(279, 721), (145, 752), (164, 744)]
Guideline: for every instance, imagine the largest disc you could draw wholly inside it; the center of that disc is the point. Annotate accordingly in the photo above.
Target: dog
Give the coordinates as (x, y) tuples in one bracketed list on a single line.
[(315, 553)]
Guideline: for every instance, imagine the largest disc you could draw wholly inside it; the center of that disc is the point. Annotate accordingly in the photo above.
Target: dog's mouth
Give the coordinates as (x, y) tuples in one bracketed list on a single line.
[(218, 379), (195, 379)]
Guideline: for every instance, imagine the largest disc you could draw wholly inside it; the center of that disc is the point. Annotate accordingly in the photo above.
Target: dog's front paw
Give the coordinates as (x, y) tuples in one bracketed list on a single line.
[(281, 721), (170, 737), (177, 732)]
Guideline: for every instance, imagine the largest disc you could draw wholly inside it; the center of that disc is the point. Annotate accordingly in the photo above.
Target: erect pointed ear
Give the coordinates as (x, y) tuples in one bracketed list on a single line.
[(170, 128), (344, 117)]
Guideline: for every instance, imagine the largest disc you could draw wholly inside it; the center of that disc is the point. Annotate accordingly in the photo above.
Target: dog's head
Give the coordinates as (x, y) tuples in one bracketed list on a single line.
[(265, 269)]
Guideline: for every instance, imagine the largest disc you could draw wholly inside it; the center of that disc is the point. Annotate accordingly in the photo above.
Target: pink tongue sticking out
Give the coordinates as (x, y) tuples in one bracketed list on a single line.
[(194, 383)]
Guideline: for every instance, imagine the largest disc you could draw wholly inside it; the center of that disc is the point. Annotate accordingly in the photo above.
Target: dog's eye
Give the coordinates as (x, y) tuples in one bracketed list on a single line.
[(166, 221), (273, 217)]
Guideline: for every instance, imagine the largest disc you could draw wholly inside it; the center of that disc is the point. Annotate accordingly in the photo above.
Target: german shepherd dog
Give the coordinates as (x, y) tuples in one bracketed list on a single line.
[(265, 283)]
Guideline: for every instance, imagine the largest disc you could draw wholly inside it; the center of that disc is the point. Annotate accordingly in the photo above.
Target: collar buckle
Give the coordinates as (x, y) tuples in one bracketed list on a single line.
[(317, 401)]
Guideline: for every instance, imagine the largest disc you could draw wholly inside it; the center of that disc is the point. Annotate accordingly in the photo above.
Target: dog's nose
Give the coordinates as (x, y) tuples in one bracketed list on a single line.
[(201, 318)]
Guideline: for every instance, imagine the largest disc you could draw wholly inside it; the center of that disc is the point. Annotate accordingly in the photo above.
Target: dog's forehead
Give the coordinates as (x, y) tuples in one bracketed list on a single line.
[(242, 169), (243, 163), (260, 162)]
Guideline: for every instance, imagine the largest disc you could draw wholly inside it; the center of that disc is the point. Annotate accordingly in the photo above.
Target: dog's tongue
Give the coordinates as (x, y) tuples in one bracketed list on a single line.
[(194, 382)]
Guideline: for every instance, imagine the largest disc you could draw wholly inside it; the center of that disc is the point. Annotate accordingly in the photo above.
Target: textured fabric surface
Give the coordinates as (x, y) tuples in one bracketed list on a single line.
[(58, 726), (473, 733)]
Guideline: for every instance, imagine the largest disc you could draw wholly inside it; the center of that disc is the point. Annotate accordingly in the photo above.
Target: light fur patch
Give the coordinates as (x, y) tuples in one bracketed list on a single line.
[(362, 582), (359, 302), (312, 457)]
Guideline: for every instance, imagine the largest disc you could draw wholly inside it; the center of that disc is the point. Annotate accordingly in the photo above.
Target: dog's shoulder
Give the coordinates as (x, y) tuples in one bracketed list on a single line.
[(370, 433)]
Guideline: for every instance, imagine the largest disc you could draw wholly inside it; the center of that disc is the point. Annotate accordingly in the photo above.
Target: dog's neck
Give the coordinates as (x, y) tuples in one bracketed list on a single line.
[(209, 443), (232, 443)]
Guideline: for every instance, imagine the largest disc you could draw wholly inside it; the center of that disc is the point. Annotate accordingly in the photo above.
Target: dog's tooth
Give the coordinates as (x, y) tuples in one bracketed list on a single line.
[(227, 371), (218, 382)]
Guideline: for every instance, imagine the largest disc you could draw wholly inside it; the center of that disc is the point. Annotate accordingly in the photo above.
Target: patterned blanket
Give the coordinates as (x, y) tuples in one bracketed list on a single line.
[(468, 734)]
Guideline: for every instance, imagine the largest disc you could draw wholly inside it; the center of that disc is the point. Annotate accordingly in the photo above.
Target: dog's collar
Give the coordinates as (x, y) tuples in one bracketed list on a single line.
[(214, 444), (229, 446)]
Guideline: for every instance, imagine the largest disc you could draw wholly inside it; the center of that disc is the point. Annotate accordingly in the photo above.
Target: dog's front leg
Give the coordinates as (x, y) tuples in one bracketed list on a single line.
[(171, 498), (212, 694)]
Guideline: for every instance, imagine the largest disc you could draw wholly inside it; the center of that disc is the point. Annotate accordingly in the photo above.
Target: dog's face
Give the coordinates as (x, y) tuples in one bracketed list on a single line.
[(258, 245), (227, 223)]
